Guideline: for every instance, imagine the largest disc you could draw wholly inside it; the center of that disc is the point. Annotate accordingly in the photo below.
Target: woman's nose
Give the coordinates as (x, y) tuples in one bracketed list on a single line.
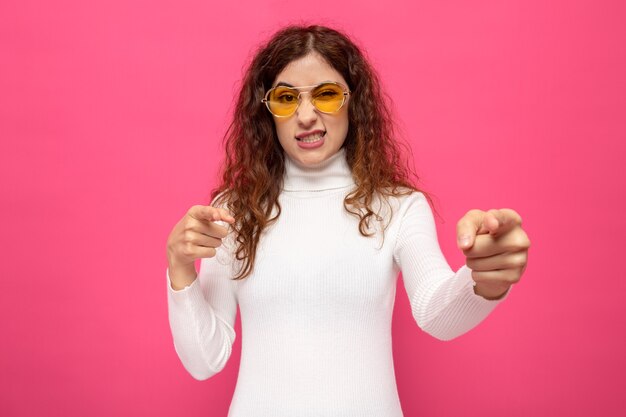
[(306, 111)]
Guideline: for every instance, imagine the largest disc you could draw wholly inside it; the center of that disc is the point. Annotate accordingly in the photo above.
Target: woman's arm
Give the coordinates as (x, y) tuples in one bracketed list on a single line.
[(443, 302), (202, 315)]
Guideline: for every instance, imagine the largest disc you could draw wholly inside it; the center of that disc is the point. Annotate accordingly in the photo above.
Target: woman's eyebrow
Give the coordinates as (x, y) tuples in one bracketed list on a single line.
[(281, 83)]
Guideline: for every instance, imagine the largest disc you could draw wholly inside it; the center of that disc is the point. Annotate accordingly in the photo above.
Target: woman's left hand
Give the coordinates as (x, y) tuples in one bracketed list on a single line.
[(496, 248)]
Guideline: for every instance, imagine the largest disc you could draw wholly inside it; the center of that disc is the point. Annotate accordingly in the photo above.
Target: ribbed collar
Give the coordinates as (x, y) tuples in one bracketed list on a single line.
[(327, 175)]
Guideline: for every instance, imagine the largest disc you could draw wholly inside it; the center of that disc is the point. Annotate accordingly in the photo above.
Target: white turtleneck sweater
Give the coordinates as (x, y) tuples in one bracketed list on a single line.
[(316, 311)]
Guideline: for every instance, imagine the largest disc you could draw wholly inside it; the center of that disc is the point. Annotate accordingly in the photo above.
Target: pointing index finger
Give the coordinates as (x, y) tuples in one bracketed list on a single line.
[(507, 220), (211, 214), (226, 216)]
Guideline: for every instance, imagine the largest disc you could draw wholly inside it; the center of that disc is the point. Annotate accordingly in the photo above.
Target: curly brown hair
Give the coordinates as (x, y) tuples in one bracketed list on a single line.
[(254, 165)]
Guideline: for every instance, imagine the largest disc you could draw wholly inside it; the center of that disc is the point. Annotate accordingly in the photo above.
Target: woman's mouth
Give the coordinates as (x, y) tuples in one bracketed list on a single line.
[(312, 138), (312, 141)]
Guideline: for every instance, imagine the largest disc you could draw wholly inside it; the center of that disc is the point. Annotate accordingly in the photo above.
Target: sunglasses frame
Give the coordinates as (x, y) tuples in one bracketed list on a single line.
[(346, 93)]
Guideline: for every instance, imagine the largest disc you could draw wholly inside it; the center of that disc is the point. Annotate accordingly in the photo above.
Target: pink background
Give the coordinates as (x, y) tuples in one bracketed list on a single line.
[(111, 116)]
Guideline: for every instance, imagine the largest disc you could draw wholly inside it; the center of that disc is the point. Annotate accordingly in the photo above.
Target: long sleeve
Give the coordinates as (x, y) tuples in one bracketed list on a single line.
[(443, 302), (202, 317)]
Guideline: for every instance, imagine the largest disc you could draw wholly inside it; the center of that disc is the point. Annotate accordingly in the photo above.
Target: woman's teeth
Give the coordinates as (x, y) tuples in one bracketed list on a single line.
[(313, 138)]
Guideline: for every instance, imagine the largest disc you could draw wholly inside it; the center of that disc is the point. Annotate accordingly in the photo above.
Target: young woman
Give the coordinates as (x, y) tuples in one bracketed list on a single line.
[(313, 220)]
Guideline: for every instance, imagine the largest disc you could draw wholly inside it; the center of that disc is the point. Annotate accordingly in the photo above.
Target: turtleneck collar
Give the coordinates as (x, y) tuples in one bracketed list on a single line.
[(327, 175)]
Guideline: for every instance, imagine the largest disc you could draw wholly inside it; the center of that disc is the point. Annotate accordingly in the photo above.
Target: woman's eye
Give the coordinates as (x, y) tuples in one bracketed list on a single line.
[(327, 94), (286, 98)]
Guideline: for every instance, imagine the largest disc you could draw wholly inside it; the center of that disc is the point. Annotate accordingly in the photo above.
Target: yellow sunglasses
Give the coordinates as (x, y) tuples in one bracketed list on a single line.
[(283, 100)]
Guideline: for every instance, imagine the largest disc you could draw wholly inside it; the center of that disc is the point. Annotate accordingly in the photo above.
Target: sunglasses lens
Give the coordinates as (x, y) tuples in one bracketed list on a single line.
[(283, 101), (328, 98)]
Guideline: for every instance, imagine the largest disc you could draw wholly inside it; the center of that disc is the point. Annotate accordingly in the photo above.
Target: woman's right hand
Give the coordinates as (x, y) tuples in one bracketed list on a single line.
[(195, 236)]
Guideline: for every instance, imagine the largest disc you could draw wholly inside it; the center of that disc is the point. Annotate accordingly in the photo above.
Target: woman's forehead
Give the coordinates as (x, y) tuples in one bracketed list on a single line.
[(309, 70)]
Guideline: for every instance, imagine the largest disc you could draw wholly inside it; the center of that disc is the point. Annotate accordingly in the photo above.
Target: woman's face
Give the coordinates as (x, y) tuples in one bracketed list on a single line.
[(307, 121)]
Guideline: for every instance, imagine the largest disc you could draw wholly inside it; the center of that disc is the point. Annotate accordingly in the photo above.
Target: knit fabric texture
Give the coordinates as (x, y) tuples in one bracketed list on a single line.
[(316, 311)]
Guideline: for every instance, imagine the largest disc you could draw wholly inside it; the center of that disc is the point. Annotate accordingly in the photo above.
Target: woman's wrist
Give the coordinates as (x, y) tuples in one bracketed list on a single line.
[(182, 276), (491, 291)]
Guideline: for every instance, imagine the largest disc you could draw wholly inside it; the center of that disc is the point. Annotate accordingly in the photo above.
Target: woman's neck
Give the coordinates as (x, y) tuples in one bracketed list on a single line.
[(332, 173)]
